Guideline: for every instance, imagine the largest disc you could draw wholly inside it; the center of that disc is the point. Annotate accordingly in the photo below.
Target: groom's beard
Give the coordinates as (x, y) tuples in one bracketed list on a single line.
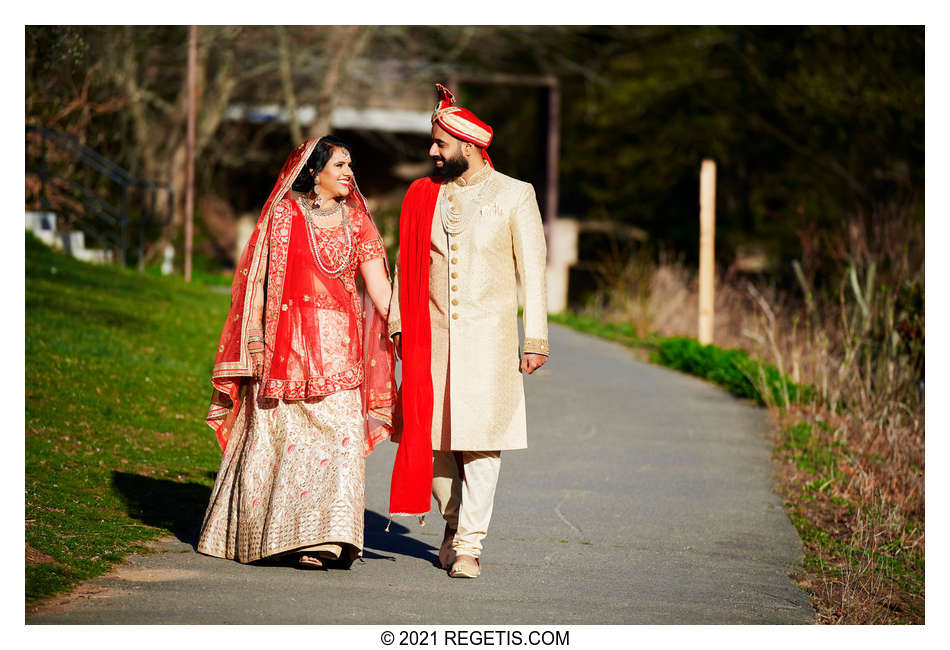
[(451, 168)]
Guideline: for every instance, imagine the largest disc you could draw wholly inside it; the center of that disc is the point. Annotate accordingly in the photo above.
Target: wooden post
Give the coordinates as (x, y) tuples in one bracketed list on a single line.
[(551, 153), (190, 150), (707, 246)]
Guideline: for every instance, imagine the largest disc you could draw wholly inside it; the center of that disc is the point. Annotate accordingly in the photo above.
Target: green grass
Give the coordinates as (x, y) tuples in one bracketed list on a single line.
[(117, 384), (903, 569), (813, 453), (819, 455)]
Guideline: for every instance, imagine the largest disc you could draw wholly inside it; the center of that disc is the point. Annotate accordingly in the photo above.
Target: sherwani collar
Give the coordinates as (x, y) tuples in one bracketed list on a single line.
[(478, 177)]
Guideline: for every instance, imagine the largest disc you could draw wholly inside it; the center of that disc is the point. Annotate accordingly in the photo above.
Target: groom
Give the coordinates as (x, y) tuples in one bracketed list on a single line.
[(467, 234)]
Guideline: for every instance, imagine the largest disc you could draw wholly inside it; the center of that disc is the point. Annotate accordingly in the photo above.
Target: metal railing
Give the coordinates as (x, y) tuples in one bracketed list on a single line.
[(93, 194)]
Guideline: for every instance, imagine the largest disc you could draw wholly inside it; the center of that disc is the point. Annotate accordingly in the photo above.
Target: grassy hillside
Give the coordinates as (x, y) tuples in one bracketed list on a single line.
[(117, 384)]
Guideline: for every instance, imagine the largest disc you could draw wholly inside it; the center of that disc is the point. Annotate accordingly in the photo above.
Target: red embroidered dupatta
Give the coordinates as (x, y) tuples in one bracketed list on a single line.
[(233, 370), (411, 487)]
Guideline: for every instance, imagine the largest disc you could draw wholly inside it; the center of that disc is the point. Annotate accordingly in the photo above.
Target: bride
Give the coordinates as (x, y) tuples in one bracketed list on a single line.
[(303, 378)]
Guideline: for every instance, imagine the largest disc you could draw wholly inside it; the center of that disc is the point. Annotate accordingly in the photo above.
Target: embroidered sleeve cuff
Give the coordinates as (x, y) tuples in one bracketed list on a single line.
[(395, 327), (537, 346), (370, 250)]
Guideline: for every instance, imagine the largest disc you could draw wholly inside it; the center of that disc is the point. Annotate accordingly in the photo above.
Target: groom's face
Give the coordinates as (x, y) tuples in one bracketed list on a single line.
[(446, 154)]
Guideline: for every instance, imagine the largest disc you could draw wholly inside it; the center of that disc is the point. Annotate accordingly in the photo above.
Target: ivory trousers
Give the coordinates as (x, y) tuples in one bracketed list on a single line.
[(466, 497)]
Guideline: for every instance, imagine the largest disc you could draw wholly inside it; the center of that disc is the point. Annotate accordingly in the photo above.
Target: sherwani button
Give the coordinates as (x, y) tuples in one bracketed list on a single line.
[(455, 301), (455, 260), (455, 247), (454, 275), (455, 316), (455, 287)]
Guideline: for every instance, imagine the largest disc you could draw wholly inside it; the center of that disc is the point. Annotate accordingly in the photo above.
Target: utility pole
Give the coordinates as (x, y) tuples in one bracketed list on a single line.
[(707, 250), (190, 149)]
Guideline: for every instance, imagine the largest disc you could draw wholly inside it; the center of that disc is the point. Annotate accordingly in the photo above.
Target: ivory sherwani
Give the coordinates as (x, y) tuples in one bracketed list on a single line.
[(478, 394)]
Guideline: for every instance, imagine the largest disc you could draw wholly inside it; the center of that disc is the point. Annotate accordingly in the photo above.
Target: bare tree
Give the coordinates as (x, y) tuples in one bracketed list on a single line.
[(287, 84), (343, 45)]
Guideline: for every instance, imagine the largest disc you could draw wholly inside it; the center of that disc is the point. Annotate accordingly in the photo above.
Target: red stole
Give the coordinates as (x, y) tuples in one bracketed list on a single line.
[(411, 487)]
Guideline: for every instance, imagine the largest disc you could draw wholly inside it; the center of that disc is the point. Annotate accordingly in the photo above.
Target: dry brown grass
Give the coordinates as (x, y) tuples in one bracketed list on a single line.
[(854, 330)]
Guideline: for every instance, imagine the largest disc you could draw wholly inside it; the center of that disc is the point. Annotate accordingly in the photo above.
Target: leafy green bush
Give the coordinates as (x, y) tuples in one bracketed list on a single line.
[(731, 369)]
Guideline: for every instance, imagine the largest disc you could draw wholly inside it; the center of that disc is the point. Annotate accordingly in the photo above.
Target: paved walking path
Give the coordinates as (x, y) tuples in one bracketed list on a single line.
[(644, 497)]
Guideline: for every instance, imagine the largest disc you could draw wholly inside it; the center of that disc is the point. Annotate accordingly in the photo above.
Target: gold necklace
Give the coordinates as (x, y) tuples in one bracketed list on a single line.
[(333, 272), (320, 217)]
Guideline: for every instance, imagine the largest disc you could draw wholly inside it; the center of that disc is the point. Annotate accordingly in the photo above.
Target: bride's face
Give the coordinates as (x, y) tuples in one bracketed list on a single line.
[(336, 177)]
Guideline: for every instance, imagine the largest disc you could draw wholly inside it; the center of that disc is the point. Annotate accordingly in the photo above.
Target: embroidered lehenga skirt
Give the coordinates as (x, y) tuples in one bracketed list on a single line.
[(291, 478)]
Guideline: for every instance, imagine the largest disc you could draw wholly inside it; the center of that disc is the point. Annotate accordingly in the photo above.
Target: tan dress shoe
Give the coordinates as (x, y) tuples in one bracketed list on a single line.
[(466, 566), (446, 552)]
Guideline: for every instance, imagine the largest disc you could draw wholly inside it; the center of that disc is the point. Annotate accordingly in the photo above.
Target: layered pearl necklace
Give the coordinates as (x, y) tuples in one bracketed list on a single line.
[(312, 216), (453, 219)]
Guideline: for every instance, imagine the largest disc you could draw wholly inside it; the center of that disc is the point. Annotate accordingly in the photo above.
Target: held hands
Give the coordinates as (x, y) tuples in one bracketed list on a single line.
[(257, 362), (255, 347), (531, 362)]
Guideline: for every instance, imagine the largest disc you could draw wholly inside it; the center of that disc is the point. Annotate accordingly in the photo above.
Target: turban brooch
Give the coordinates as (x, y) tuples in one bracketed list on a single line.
[(460, 122)]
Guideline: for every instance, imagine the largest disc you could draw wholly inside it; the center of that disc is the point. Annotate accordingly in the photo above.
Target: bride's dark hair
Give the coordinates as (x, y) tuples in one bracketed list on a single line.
[(317, 161)]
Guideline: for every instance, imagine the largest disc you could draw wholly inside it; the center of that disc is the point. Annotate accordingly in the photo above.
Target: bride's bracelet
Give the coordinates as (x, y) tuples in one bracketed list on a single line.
[(255, 340), (255, 344)]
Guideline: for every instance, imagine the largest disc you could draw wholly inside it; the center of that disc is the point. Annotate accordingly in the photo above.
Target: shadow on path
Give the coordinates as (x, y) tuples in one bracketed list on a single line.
[(180, 509), (176, 507), (393, 543)]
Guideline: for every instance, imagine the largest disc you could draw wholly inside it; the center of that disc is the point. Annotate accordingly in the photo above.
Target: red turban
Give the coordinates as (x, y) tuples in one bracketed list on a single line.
[(459, 121)]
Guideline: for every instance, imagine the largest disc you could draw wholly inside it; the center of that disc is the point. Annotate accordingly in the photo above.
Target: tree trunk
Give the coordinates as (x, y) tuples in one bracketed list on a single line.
[(344, 44), (287, 83), (210, 115)]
